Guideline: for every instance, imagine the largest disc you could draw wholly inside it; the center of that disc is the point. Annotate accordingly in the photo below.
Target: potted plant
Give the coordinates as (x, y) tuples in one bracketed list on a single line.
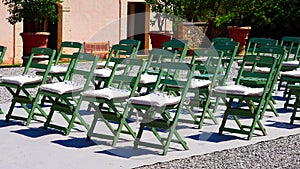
[(186, 16), (35, 15), (161, 35), (237, 16)]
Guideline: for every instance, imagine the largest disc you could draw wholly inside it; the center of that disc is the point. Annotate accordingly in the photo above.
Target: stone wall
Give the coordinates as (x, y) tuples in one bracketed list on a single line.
[(195, 32)]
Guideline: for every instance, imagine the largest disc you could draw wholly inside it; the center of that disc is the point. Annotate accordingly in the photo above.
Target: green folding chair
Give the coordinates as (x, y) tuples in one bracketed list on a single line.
[(129, 50), (151, 70), (229, 50), (102, 75), (64, 95), (180, 46), (221, 40), (256, 42), (274, 51), (65, 52), (134, 43), (110, 102), (58, 72), (291, 44), (254, 97), (204, 79), (155, 107), (291, 60), (20, 86), (2, 54)]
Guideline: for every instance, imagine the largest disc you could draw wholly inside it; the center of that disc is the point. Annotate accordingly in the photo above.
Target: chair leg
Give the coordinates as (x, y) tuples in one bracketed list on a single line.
[(43, 100), (286, 104), (168, 141), (216, 104), (270, 101), (138, 137), (93, 125), (236, 119), (34, 106), (117, 133), (273, 109), (263, 130), (293, 117), (10, 111), (279, 85), (182, 142), (225, 117), (74, 115), (206, 110), (252, 128), (47, 123)]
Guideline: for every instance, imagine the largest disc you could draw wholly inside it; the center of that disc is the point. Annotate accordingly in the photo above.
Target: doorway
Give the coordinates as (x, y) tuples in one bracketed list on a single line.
[(137, 24), (55, 30)]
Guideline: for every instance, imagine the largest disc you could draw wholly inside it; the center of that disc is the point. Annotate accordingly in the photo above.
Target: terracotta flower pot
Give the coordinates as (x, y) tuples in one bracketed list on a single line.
[(34, 39), (240, 34), (158, 38)]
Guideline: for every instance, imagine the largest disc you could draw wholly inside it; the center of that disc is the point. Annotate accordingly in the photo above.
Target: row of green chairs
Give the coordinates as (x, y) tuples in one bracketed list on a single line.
[(156, 58), (162, 102), (289, 74), (253, 87), (291, 61), (66, 102), (62, 95)]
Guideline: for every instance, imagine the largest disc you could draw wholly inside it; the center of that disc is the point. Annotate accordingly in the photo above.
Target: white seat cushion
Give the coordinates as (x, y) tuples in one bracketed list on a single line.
[(62, 87), (197, 83), (201, 59), (108, 93), (147, 78), (156, 99), (58, 69), (21, 80), (294, 63), (257, 69), (110, 65), (293, 73), (101, 65), (262, 69), (104, 72), (239, 90)]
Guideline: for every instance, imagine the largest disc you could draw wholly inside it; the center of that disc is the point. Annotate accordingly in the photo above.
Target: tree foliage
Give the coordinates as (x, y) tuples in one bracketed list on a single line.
[(282, 16), (34, 12)]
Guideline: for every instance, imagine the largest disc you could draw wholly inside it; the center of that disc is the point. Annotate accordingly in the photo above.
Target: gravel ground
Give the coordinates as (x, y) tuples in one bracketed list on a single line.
[(283, 152), (279, 153)]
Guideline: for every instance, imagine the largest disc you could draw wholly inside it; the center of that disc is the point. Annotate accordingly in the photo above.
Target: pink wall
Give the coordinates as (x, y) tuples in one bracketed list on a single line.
[(6, 38), (89, 20), (94, 20)]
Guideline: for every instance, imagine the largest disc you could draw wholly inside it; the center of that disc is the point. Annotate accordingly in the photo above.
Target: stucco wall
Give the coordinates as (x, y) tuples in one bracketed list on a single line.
[(92, 20), (6, 38)]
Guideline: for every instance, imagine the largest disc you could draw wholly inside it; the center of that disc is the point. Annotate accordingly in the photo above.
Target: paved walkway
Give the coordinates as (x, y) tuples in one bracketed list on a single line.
[(33, 147)]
